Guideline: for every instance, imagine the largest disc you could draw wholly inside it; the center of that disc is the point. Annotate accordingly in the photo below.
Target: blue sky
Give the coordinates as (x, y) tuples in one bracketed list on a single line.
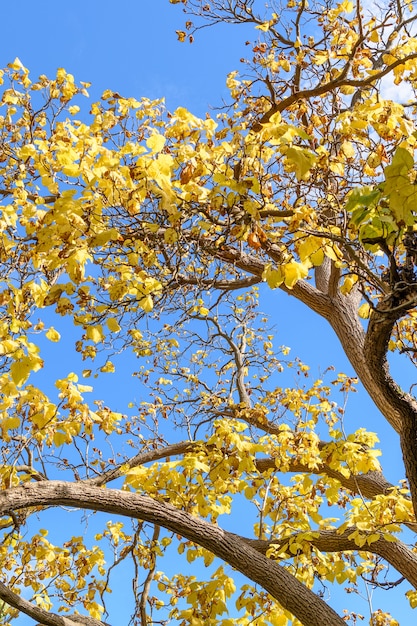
[(127, 46), (130, 46)]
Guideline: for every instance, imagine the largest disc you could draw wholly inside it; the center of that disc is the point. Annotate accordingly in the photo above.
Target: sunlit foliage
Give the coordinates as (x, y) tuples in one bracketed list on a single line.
[(136, 237)]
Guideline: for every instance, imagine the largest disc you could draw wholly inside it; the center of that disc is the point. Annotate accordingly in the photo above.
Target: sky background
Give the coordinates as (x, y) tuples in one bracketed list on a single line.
[(131, 47)]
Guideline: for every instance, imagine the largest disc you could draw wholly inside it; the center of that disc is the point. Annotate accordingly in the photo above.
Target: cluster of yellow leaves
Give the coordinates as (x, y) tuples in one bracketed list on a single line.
[(99, 220), (29, 413), (36, 562)]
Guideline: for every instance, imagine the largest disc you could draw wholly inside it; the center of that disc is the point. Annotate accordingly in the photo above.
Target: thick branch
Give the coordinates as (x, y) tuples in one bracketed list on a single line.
[(32, 197), (223, 285), (396, 553), (285, 588), (378, 334), (367, 485), (341, 312)]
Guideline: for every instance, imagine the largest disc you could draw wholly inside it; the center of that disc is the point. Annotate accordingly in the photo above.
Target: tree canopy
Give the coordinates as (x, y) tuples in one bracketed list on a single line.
[(130, 229)]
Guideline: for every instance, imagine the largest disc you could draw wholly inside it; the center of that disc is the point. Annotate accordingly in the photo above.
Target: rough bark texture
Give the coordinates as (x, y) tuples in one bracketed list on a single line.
[(396, 554), (291, 594), (367, 352), (367, 485)]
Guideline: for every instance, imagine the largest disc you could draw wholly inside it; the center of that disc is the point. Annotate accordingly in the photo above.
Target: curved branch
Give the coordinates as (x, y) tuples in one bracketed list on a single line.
[(223, 285), (379, 331), (45, 618), (277, 581), (395, 553), (331, 85), (142, 458), (341, 312), (149, 578), (239, 362), (303, 290), (367, 485)]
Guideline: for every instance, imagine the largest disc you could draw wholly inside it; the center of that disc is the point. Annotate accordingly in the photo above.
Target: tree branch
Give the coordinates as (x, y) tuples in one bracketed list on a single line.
[(395, 553), (142, 458), (45, 618), (276, 580), (367, 485), (379, 331)]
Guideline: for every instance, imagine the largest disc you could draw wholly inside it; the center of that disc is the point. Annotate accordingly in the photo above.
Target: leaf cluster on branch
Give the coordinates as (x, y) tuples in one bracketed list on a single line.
[(156, 233)]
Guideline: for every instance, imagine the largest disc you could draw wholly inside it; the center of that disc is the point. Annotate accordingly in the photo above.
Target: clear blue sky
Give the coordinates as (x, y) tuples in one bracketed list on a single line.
[(130, 46)]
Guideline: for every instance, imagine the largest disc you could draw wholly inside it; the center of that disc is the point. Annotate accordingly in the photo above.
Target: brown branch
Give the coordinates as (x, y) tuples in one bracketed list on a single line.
[(149, 578), (264, 213), (223, 285), (395, 553), (32, 197), (331, 85), (45, 618), (340, 311), (380, 328), (275, 579), (367, 485), (142, 458)]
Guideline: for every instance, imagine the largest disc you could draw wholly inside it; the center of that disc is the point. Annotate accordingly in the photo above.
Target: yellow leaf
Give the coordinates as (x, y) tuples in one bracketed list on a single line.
[(113, 324), (348, 284), (364, 311), (102, 238), (264, 27), (348, 149), (17, 65), (294, 272), (108, 368), (310, 249), (301, 161), (52, 334), (274, 277), (60, 438), (285, 64), (170, 235), (95, 333), (21, 369), (10, 423), (155, 142), (337, 167), (412, 598), (146, 304), (321, 57)]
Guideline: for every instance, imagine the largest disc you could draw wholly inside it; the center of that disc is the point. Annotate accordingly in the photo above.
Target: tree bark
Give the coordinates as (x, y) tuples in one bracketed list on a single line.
[(396, 553), (285, 588)]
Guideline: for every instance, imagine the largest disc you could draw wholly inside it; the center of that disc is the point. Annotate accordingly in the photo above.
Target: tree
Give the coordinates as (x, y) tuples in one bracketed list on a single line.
[(154, 233)]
